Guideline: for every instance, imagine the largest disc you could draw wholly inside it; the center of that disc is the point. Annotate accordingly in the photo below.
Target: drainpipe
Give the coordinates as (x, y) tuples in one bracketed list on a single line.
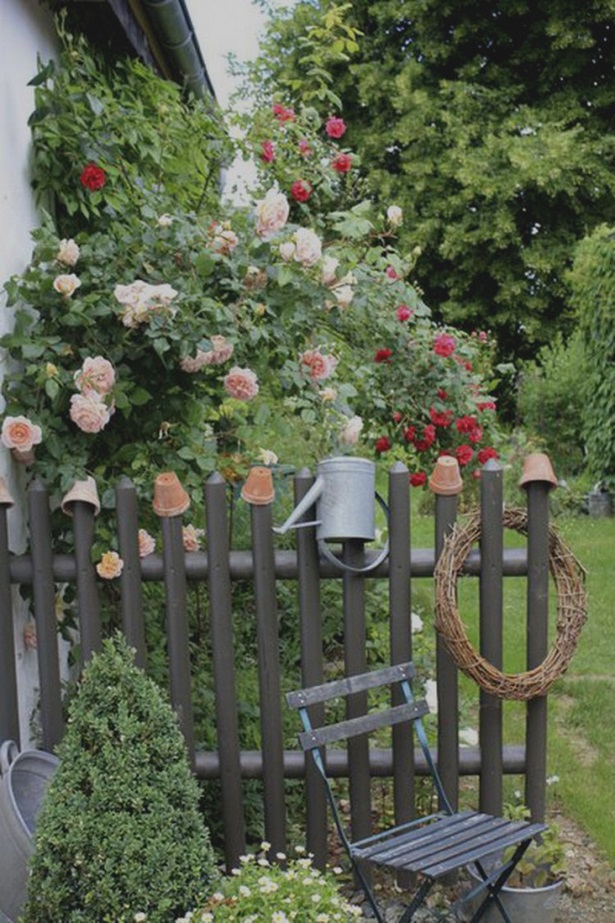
[(174, 34)]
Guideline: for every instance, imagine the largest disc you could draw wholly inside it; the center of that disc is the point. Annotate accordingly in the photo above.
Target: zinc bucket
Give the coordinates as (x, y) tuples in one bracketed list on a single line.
[(23, 783)]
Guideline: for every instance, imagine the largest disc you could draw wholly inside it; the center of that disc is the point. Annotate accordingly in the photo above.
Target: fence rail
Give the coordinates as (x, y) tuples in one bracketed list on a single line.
[(264, 566)]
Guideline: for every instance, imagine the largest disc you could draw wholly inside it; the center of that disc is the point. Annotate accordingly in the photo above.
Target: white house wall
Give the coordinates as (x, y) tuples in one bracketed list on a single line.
[(26, 32)]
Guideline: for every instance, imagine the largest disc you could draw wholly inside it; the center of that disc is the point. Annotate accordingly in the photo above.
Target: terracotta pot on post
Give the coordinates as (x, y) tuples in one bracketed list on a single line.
[(258, 488), (446, 479), (83, 491), (170, 498), (537, 467)]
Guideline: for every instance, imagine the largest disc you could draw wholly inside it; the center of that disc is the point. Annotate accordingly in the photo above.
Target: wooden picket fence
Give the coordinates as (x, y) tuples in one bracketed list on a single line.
[(265, 565)]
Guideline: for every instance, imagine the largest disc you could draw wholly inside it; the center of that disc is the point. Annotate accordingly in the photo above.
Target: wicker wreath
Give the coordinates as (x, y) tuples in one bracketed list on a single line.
[(569, 577)]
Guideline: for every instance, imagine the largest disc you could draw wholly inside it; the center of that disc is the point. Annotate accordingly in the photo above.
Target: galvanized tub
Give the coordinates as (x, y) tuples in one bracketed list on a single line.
[(24, 780), (527, 905)]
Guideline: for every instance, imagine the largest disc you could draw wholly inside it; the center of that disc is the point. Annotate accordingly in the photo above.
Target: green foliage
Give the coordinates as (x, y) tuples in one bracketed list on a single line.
[(544, 861), (592, 281), (492, 125), (120, 831), (156, 149), (552, 402)]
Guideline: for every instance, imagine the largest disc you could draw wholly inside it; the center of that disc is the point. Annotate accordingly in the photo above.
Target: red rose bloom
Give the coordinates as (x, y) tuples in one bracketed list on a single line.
[(383, 355), (404, 313), (382, 445), (485, 405), (397, 417), (391, 274), (267, 151), (440, 417), (427, 440), (442, 394), (93, 177), (418, 478), (300, 190), (410, 433), (444, 345), (282, 113), (342, 163), (304, 147), (485, 454), (464, 454), (335, 128)]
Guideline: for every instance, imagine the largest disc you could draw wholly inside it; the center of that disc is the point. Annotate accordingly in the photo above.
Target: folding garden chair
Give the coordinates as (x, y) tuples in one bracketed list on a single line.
[(429, 847)]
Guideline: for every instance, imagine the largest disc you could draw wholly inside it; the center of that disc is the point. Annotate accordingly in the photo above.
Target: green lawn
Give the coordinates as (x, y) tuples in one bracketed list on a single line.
[(581, 745)]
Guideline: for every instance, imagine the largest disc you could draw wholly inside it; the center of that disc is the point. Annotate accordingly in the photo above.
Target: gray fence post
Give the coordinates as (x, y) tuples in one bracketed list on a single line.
[(9, 713), (491, 609), (132, 599)]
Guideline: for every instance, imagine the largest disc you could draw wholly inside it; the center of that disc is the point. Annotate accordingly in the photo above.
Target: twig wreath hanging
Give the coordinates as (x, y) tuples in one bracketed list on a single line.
[(569, 577)]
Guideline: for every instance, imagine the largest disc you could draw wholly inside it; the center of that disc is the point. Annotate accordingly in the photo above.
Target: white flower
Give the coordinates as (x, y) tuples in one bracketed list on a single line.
[(244, 891), (267, 885), (267, 457), (416, 623), (316, 898), (395, 216), (329, 267), (431, 695), (165, 221), (308, 247), (68, 252), (551, 780), (279, 917), (349, 434), (140, 917), (343, 295), (207, 917)]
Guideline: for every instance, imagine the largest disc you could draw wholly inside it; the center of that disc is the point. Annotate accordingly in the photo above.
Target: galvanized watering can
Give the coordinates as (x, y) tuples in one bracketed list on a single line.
[(344, 492)]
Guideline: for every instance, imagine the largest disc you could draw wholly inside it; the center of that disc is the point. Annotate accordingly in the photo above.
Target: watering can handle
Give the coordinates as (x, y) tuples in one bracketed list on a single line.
[(9, 751), (328, 554)]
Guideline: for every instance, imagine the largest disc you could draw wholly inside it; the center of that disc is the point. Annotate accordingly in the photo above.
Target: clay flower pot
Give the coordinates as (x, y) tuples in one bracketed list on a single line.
[(537, 467), (446, 479), (5, 496), (258, 488), (83, 491), (170, 498)]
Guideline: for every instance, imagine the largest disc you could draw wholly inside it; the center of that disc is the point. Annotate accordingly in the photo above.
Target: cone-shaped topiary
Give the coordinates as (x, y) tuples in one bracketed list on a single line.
[(120, 831)]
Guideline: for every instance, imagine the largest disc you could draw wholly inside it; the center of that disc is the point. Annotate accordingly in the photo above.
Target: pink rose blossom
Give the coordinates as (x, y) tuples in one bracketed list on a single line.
[(96, 374), (391, 273), (444, 345), (241, 384), (271, 214), (329, 269), (267, 151), (20, 433), (141, 298), (404, 313), (335, 127), (110, 565), (147, 543), (90, 413), (287, 251), (220, 353), (191, 537), (304, 147), (308, 247), (30, 638), (320, 366), (282, 113), (224, 240), (350, 432), (342, 163)]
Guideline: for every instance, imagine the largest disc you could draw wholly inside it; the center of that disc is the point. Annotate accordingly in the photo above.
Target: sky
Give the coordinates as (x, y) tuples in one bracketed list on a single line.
[(223, 27)]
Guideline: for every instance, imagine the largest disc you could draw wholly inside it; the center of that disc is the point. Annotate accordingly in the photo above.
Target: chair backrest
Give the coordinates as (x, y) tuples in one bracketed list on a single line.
[(313, 739)]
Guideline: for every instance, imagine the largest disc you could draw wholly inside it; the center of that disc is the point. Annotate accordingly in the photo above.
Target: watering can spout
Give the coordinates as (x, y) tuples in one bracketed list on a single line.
[(309, 500)]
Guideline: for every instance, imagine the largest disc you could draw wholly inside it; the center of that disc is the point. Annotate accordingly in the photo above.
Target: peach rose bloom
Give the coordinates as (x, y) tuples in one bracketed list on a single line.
[(287, 251), (30, 638), (267, 457), (343, 295), (146, 542), (96, 374), (224, 240), (308, 247), (89, 412), (241, 384), (191, 537), (66, 284), (271, 213), (110, 565), (68, 252), (221, 353), (20, 433), (320, 366), (349, 434)]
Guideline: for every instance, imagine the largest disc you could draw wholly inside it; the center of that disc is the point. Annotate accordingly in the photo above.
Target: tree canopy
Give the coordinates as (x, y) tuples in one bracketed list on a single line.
[(491, 124)]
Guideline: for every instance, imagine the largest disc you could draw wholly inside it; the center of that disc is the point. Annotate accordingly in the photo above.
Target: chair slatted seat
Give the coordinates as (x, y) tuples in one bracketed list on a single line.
[(429, 847)]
